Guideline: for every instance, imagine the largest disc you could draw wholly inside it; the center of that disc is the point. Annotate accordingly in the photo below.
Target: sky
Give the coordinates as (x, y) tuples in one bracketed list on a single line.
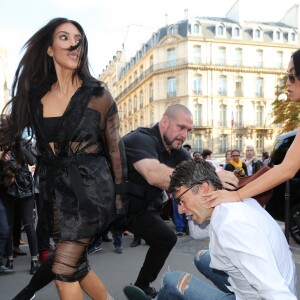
[(107, 22)]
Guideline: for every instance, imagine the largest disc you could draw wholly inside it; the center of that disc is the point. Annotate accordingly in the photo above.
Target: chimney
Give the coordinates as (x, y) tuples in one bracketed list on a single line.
[(166, 19), (186, 14)]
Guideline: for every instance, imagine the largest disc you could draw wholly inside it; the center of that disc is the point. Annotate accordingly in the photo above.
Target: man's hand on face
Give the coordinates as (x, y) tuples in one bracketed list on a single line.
[(228, 179)]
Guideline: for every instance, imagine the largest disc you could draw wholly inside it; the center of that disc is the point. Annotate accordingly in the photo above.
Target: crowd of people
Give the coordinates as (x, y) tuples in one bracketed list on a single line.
[(89, 181)]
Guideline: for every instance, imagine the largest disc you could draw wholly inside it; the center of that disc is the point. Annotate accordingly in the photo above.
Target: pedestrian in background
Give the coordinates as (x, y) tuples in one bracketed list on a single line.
[(252, 163)]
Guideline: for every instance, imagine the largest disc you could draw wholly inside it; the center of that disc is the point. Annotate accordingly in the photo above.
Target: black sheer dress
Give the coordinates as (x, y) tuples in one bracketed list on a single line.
[(78, 179)]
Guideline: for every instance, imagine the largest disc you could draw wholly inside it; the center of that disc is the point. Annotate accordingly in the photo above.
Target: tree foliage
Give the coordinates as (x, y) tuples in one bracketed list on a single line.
[(285, 112)]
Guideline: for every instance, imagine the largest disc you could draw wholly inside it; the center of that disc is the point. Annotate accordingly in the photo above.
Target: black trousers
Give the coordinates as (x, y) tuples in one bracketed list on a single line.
[(161, 238)]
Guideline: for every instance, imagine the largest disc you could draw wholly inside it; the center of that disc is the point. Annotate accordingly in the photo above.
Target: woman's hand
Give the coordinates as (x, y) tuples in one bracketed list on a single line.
[(214, 198)]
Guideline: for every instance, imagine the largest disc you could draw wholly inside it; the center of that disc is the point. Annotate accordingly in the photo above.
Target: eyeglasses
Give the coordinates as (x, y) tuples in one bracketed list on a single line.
[(178, 199), (291, 77), (235, 156)]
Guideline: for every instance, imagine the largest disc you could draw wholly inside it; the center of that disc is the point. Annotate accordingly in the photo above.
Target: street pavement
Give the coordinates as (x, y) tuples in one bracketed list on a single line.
[(118, 270)]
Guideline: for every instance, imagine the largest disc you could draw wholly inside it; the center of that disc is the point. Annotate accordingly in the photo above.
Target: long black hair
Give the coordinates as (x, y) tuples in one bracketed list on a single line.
[(34, 76), (296, 59)]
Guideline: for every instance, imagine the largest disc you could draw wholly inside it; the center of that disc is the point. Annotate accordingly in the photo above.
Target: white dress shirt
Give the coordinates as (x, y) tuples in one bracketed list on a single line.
[(249, 245)]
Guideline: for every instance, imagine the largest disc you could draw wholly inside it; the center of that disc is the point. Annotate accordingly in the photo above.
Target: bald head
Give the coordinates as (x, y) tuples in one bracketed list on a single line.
[(173, 111), (175, 125)]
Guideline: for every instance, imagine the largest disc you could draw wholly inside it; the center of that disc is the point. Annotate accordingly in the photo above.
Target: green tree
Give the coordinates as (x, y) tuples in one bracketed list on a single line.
[(285, 112)]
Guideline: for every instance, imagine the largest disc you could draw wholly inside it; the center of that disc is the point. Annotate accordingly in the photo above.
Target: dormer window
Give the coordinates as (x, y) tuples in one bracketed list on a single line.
[(220, 30), (236, 32), (153, 39), (257, 34), (196, 28), (292, 37), (171, 30), (277, 35)]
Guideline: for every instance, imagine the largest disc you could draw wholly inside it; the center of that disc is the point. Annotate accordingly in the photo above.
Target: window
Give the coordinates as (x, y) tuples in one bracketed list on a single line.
[(171, 57), (223, 143), (238, 57), (197, 85), (172, 30), (151, 61), (278, 60), (236, 32), (277, 35), (135, 103), (257, 34), (223, 115), (293, 37), (222, 56), (222, 86), (125, 111), (141, 71), (238, 117), (141, 99), (150, 92), (259, 116), (130, 107), (239, 142), (135, 75), (198, 146), (259, 58), (259, 143), (239, 86), (259, 87), (196, 28), (171, 87), (198, 116), (220, 30), (151, 118), (141, 121), (197, 55)]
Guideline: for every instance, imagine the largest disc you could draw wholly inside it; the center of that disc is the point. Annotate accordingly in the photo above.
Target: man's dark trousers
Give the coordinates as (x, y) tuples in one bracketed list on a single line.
[(161, 239)]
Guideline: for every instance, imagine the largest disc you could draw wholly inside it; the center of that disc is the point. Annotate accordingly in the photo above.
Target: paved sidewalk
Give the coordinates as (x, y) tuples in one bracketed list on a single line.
[(118, 270)]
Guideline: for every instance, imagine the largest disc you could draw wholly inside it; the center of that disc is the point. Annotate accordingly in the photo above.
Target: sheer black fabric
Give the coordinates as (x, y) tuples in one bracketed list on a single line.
[(77, 180)]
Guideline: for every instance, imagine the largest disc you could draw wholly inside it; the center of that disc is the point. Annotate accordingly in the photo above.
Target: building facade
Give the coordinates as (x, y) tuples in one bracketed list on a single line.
[(225, 70)]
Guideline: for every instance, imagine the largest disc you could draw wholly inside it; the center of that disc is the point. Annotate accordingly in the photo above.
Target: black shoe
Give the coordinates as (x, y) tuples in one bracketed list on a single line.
[(25, 294), (10, 264), (34, 266), (5, 270), (135, 243), (106, 238), (132, 292), (18, 252), (150, 291)]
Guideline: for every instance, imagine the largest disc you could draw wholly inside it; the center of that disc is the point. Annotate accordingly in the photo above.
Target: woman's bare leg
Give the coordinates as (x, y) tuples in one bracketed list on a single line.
[(94, 287), (69, 290)]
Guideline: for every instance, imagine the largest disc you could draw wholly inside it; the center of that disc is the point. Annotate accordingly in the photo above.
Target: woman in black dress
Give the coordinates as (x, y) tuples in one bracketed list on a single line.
[(81, 159)]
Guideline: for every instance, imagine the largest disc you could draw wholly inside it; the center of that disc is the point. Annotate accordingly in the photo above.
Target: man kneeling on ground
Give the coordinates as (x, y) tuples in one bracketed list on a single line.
[(248, 256)]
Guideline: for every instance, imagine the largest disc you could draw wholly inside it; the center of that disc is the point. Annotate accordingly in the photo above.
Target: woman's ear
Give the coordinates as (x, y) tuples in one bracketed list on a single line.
[(49, 51)]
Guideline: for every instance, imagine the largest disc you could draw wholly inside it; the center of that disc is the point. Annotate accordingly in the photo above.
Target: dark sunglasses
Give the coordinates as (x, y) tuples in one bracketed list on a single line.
[(178, 199), (235, 156), (291, 77)]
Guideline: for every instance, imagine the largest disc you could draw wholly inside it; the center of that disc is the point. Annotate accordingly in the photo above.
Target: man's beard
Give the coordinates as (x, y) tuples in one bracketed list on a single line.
[(169, 142)]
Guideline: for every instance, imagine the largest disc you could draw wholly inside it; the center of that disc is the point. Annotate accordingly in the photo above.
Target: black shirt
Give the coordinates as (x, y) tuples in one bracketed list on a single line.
[(147, 143)]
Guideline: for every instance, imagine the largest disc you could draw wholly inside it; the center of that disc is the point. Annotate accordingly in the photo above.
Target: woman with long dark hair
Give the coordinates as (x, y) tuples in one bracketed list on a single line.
[(284, 171), (81, 161)]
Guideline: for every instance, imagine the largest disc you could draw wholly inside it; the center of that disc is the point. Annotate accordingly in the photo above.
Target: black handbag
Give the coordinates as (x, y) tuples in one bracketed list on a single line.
[(23, 186)]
